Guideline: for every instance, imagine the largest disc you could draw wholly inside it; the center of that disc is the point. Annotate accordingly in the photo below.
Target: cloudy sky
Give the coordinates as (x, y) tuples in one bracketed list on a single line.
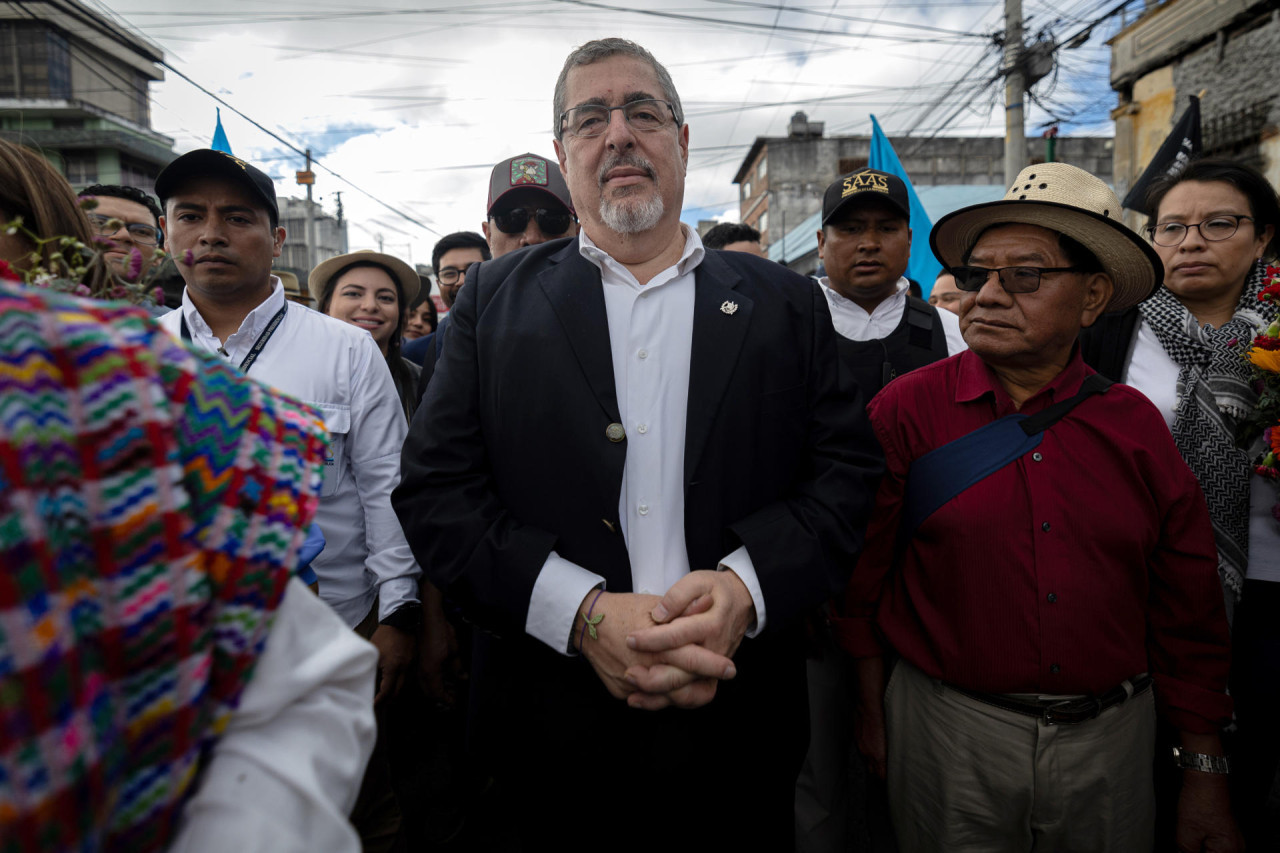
[(412, 103)]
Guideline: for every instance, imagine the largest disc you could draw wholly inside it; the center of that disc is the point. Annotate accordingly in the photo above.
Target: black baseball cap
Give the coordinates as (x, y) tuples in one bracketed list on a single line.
[(205, 162), (857, 187), (528, 171)]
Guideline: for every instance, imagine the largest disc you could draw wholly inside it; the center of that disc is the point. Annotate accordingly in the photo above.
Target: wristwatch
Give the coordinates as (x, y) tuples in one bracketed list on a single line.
[(407, 617), (1219, 764)]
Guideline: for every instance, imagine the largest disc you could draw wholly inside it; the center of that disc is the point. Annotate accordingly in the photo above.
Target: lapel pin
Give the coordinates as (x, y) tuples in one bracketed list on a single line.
[(615, 433), (729, 307)]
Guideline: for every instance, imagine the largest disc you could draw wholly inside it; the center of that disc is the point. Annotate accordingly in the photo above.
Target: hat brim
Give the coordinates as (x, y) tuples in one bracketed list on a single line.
[(539, 188), (1135, 269), (202, 163), (410, 284)]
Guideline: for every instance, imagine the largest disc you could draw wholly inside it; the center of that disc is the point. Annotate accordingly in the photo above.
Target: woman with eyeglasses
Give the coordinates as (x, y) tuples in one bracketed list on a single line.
[(1215, 226), (373, 291)]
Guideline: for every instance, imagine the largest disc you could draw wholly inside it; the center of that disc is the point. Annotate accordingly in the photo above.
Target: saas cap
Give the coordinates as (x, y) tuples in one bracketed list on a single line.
[(205, 162), (1070, 201), (402, 272), (528, 171), (857, 187)]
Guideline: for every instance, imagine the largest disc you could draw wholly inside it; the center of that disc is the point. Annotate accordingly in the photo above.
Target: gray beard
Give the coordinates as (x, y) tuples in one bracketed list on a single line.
[(625, 216)]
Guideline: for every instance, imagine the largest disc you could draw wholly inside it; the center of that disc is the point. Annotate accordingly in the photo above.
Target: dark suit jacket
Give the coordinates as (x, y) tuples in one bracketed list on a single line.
[(508, 459)]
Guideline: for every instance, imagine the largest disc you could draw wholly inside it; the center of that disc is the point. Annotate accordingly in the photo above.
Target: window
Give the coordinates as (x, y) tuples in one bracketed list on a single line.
[(81, 167), (746, 190), (851, 164), (763, 171), (59, 58), (40, 57), (762, 224), (135, 173)]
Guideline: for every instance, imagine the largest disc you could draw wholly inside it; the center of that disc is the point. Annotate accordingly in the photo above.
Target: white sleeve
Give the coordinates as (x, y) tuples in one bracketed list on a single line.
[(553, 605), (378, 430), (739, 562), (285, 773), (951, 328)]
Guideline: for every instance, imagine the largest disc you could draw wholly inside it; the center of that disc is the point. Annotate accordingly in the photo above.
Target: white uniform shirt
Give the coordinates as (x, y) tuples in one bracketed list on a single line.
[(338, 370), (1155, 374), (651, 337), (852, 321), (285, 773)]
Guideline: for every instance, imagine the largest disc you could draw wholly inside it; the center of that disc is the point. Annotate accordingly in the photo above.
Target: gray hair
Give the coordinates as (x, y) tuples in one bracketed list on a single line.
[(594, 51)]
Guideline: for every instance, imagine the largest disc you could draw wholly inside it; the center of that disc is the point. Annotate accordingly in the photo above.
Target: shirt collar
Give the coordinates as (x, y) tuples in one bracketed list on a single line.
[(254, 322), (899, 289), (975, 380), (690, 258)]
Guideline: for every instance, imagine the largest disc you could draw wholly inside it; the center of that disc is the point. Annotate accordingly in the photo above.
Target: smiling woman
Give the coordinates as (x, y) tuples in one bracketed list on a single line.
[(373, 291)]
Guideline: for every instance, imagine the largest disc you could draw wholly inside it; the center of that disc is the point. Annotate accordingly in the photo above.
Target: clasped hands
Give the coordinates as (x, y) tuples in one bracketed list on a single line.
[(674, 650)]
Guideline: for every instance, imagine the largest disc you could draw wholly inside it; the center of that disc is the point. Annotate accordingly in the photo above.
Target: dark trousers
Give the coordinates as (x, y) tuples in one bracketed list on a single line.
[(1255, 684)]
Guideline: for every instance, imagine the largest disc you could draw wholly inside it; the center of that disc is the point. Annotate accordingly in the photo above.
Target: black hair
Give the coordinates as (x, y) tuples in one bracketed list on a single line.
[(1264, 207), (404, 381), (730, 232), (459, 240)]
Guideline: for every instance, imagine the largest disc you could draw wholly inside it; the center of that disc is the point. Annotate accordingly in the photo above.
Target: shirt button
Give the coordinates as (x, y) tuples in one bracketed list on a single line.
[(1054, 668), (643, 428), (643, 509), (1036, 456), (643, 354), (1053, 596), (1045, 527)]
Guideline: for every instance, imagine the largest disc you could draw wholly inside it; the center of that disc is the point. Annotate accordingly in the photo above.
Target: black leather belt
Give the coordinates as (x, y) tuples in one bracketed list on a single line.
[(1065, 712)]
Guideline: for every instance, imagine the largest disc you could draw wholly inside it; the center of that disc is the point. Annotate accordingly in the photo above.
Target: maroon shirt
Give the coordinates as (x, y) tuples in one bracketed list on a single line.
[(1079, 565)]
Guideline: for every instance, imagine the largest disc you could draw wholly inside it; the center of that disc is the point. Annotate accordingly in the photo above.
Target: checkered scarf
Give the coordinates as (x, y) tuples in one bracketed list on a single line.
[(1214, 392)]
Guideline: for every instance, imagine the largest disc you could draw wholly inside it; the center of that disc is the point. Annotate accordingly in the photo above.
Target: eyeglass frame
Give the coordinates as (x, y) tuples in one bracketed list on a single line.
[(1187, 226), (1039, 271), (100, 222), (564, 117), (538, 214), (454, 274)]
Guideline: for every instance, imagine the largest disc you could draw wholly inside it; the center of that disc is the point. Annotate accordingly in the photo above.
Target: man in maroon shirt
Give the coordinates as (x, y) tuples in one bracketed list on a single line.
[(1028, 609)]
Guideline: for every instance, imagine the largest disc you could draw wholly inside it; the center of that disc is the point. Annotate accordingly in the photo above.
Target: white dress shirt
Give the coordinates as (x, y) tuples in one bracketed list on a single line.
[(338, 370), (1155, 374), (651, 337), (285, 773), (854, 322)]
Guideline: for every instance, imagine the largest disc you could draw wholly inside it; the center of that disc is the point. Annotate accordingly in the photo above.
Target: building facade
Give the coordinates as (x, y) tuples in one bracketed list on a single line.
[(1225, 51), (782, 179), (75, 86), (331, 236)]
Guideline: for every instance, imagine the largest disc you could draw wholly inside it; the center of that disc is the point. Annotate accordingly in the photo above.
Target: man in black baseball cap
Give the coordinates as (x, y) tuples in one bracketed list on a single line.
[(207, 163), (882, 332), (528, 204)]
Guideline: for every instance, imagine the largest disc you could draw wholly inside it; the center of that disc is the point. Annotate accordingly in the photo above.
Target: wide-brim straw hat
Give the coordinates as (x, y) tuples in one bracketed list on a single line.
[(1071, 201), (403, 273)]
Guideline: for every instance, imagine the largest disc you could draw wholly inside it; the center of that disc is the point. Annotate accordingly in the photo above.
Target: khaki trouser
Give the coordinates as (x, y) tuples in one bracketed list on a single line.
[(966, 776)]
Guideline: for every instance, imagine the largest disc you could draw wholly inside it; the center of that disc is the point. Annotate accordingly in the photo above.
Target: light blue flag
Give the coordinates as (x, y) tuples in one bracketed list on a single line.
[(923, 266), (220, 142)]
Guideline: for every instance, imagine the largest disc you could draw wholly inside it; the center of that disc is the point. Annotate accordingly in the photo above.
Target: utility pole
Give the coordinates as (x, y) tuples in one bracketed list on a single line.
[(1015, 137), (342, 231), (308, 178)]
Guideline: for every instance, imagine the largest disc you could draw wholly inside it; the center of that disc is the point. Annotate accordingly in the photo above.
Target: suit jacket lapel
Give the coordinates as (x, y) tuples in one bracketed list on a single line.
[(718, 333), (572, 284)]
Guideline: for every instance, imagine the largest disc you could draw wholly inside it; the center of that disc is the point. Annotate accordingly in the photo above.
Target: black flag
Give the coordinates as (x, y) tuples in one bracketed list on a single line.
[(1180, 147)]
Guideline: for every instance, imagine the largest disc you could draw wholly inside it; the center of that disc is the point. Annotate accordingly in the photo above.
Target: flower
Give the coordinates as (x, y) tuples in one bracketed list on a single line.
[(7, 271), (1267, 359), (135, 264)]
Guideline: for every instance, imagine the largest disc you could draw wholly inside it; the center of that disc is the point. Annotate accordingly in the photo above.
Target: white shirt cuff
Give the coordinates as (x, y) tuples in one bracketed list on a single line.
[(739, 562), (553, 606)]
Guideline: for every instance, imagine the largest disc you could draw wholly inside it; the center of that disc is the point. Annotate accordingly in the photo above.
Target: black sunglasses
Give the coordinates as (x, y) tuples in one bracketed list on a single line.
[(1012, 279), (551, 222)]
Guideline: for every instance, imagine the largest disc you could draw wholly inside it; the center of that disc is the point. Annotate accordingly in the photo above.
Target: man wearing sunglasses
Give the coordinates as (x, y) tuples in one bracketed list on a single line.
[(128, 219), (528, 204), (635, 469), (1040, 557)]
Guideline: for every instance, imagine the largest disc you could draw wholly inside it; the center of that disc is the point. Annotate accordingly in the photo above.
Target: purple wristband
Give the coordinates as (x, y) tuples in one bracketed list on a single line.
[(582, 636)]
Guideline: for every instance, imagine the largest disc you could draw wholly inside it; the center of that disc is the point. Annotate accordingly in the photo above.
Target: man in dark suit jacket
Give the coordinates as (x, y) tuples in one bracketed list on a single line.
[(637, 451)]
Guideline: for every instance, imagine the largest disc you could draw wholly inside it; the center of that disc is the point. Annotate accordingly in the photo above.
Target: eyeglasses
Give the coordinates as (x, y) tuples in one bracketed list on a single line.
[(592, 120), (1012, 279), (451, 275), (553, 223), (1215, 230), (146, 235)]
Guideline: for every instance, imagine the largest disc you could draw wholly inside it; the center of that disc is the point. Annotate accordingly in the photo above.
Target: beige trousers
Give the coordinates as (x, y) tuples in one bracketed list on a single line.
[(966, 776)]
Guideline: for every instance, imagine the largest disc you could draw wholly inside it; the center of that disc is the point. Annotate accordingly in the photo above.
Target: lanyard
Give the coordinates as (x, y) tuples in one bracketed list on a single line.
[(261, 342)]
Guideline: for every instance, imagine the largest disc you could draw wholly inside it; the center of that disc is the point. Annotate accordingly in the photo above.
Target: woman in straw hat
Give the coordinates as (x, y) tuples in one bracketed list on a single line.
[(1036, 601), (1214, 226), (373, 291)]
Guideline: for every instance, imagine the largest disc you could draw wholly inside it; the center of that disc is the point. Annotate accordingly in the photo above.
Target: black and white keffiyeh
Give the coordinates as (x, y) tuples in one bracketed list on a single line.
[(1214, 393)]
